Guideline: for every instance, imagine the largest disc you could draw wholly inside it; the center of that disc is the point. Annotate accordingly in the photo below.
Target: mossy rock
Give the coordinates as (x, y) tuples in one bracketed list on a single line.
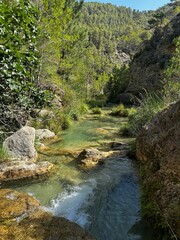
[(21, 217)]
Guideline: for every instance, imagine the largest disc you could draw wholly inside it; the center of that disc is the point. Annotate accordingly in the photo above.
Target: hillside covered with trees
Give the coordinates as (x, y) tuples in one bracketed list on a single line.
[(79, 47)]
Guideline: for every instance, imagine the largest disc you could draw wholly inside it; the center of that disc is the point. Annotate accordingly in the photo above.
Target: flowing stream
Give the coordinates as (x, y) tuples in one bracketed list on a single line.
[(104, 201)]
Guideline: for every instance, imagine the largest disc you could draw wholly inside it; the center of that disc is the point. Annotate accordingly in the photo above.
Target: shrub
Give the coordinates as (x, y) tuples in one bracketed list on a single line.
[(120, 111), (97, 102), (55, 122), (149, 106), (96, 110)]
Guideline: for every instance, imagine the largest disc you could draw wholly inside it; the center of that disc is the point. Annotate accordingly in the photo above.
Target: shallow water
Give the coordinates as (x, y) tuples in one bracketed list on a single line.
[(105, 201)]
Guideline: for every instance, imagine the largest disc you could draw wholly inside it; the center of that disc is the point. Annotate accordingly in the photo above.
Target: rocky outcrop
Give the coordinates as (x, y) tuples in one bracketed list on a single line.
[(158, 149), (43, 134), (20, 145), (147, 67), (57, 92), (123, 57), (21, 217), (23, 169)]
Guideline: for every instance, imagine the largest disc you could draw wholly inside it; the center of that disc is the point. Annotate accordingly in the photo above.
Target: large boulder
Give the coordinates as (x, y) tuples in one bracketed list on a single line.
[(20, 145), (21, 217), (158, 149), (91, 157)]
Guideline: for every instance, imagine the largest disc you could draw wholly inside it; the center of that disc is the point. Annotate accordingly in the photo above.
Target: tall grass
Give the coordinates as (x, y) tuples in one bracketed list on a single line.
[(3, 154), (149, 106), (121, 111)]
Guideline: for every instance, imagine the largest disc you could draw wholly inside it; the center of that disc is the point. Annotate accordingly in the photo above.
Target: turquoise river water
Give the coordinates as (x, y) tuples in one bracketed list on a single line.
[(105, 201)]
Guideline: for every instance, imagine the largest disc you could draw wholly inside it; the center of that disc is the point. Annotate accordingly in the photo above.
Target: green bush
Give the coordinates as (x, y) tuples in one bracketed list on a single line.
[(19, 63), (96, 110), (96, 103), (120, 111), (55, 122)]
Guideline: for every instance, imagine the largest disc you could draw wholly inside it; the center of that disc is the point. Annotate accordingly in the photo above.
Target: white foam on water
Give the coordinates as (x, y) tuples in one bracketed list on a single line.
[(73, 203)]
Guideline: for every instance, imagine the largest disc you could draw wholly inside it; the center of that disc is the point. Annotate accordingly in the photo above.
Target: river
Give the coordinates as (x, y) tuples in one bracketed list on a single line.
[(105, 201)]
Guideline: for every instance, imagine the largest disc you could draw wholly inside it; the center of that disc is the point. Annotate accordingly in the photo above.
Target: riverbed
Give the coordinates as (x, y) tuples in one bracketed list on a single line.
[(105, 201)]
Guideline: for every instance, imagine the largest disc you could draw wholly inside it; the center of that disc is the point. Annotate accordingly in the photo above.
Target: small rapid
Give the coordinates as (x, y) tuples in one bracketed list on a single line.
[(73, 203), (105, 201), (107, 204)]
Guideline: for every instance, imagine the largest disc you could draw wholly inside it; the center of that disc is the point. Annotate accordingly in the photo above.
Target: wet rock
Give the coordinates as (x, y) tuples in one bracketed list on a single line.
[(123, 148), (14, 204), (23, 169), (20, 145), (91, 157), (21, 217), (43, 134), (120, 146), (158, 149)]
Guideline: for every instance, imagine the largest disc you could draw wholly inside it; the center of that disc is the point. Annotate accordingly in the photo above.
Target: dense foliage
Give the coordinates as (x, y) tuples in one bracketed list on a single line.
[(19, 59), (117, 83)]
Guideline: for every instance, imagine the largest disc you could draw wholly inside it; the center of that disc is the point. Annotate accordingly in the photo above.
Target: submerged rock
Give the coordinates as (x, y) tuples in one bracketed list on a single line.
[(43, 134), (158, 148), (23, 169), (21, 217), (20, 145)]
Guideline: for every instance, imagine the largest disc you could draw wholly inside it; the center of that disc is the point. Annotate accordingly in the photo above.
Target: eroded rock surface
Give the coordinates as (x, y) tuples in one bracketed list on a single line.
[(147, 67), (23, 169), (92, 157), (21, 217), (20, 145), (158, 148)]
